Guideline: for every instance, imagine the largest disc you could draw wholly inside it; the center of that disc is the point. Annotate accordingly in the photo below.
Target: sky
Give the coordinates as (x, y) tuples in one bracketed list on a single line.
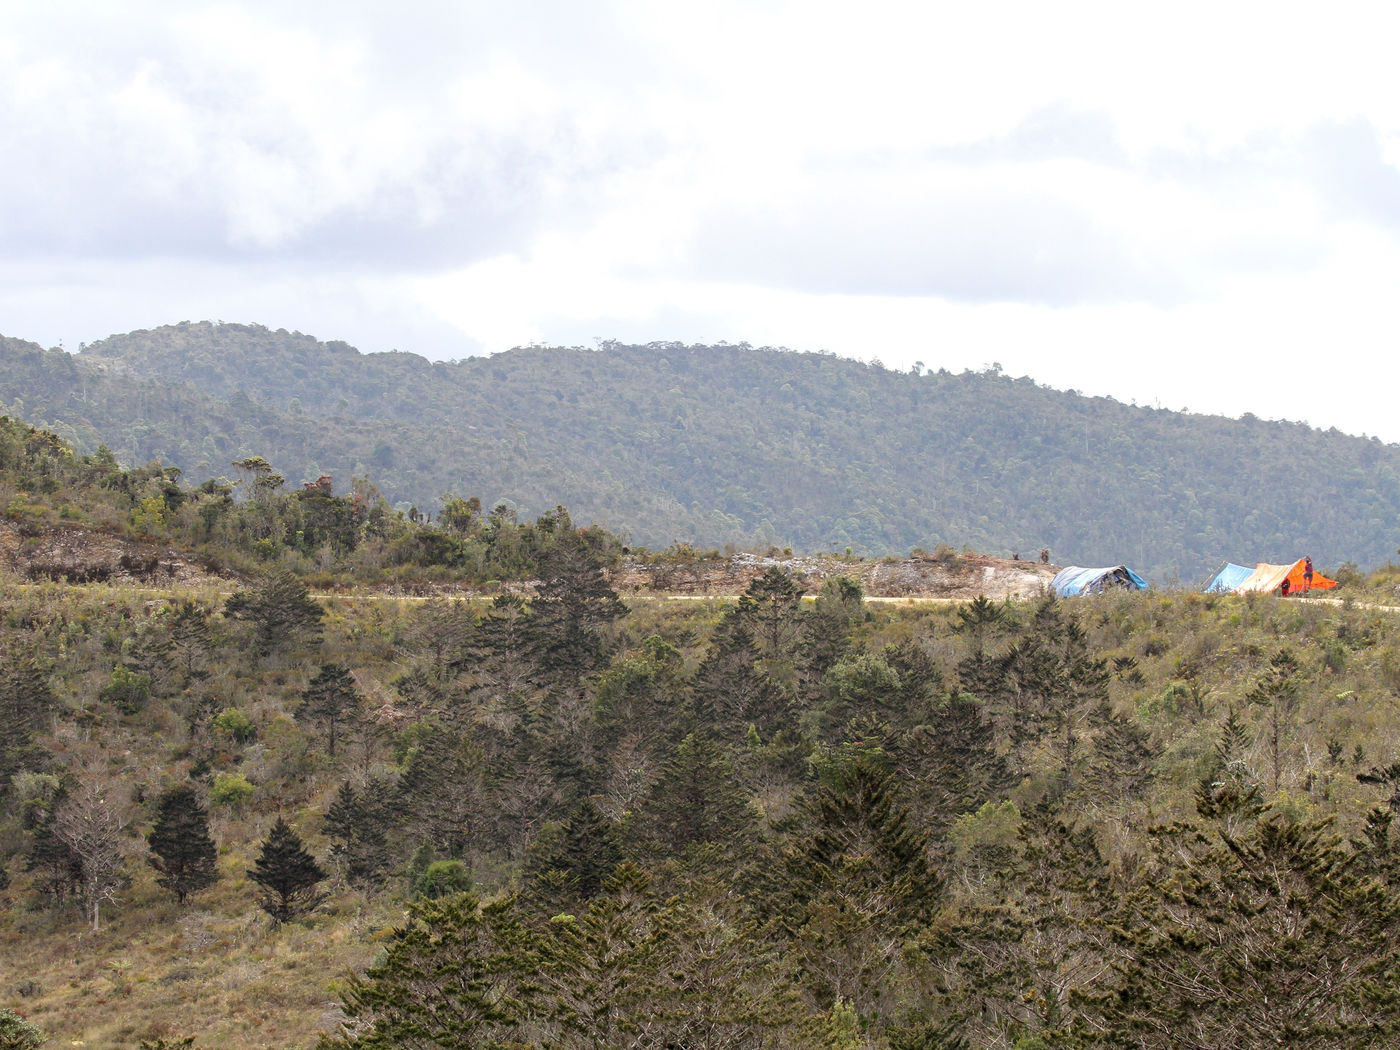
[(1194, 206)]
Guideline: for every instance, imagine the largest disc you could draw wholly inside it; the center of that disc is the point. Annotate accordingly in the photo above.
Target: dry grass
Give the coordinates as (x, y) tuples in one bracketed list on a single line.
[(215, 969)]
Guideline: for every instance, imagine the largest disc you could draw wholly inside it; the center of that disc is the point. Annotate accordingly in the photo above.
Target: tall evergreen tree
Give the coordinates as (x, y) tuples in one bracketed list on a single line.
[(288, 874), (181, 848), (452, 978), (279, 608), (1273, 938), (856, 887), (572, 611), (25, 700), (357, 826), (951, 762), (697, 799), (584, 849), (329, 701)]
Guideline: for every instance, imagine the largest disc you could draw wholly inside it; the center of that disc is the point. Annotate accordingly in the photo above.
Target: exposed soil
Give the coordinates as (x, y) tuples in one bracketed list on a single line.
[(72, 554), (78, 555), (955, 576)]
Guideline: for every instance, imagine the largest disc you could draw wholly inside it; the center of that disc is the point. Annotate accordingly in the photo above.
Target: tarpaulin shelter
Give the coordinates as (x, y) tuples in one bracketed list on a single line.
[(1228, 578), (1075, 579), (1266, 577)]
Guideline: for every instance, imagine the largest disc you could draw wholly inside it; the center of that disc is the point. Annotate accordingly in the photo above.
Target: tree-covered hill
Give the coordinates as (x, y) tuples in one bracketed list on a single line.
[(731, 444)]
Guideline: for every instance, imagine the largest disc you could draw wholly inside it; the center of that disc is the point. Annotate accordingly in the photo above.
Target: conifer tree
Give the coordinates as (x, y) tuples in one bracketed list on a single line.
[(951, 762), (279, 608), (25, 700), (584, 849), (289, 876), (697, 799), (730, 690), (771, 607), (1273, 938), (444, 791), (356, 824), (181, 849), (329, 701), (856, 887), (599, 971), (571, 612), (452, 978), (1276, 692)]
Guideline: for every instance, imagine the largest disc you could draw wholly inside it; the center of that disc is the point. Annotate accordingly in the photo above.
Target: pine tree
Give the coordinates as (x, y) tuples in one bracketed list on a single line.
[(697, 799), (584, 849), (856, 887), (952, 762), (329, 701), (357, 828), (1121, 766), (571, 612), (444, 791), (730, 690), (1277, 693), (181, 849), (599, 971), (288, 875), (1273, 938), (279, 608), (452, 978), (25, 700)]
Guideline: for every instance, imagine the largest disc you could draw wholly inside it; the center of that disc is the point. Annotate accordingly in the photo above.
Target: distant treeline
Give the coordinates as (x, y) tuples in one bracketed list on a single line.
[(730, 444)]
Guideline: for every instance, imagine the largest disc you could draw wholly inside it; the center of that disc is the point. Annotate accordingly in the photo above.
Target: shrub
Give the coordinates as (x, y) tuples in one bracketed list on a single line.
[(128, 691), (230, 790), (442, 878), (236, 725), (16, 1033)]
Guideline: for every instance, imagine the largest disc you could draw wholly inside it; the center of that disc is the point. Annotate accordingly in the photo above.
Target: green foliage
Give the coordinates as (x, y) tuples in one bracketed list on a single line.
[(128, 691), (230, 790), (236, 724), (538, 424), (288, 875), (279, 608), (181, 849), (330, 701), (18, 1034), (443, 878)]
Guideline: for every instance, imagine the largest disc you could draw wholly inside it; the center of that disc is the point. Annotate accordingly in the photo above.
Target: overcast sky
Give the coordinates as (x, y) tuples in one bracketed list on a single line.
[(1195, 206)]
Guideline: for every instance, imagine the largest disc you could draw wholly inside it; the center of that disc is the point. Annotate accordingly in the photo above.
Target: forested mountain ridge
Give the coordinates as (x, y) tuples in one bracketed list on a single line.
[(732, 444)]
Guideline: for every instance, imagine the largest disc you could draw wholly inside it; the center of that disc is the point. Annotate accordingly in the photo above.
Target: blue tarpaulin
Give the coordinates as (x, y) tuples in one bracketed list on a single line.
[(1075, 579), (1228, 578)]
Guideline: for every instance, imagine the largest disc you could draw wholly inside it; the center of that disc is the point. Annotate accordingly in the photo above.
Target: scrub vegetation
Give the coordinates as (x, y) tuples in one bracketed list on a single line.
[(339, 789)]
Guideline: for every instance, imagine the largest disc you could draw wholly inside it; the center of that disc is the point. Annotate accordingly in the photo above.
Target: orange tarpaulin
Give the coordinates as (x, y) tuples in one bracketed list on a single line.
[(1268, 577)]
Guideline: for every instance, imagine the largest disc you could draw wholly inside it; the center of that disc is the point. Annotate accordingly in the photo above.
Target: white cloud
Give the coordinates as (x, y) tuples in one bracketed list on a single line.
[(1079, 191)]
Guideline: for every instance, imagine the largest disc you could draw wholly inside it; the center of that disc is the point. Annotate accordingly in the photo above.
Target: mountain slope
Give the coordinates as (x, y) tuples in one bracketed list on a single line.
[(724, 444)]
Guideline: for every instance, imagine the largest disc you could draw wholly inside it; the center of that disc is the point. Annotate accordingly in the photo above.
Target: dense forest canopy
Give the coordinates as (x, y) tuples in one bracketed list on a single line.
[(727, 444)]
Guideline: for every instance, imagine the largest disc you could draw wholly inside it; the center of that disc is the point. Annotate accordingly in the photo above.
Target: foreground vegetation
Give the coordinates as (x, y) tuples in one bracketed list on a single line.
[(555, 818)]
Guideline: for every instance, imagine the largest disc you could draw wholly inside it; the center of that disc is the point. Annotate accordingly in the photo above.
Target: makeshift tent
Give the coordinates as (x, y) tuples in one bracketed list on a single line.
[(1267, 577), (1228, 578), (1077, 580)]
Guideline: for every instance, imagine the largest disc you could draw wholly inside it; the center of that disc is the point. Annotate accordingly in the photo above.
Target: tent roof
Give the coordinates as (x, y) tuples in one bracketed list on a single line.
[(1228, 578), (1075, 579), (1267, 577)]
